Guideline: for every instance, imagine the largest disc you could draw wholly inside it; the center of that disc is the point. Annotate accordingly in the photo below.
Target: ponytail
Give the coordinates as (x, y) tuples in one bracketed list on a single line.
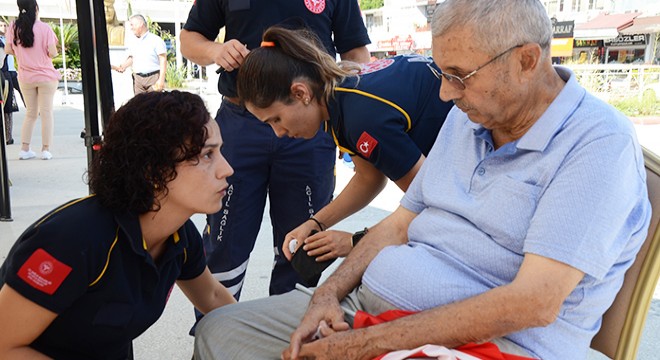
[(267, 73)]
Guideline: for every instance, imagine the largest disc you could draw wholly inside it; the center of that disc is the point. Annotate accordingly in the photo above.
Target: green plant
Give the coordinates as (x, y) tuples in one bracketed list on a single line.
[(636, 106), (71, 45), (371, 4), (174, 76)]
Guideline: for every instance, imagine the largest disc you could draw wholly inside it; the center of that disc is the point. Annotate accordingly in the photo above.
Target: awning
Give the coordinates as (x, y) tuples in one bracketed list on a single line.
[(644, 25), (604, 26), (561, 47)]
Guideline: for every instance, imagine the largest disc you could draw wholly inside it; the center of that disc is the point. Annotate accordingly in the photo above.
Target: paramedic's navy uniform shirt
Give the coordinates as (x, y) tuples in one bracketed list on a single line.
[(113, 291), (241, 17), (390, 115)]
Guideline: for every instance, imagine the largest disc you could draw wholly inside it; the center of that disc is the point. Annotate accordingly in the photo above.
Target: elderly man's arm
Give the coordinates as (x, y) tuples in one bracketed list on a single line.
[(324, 306), (533, 299)]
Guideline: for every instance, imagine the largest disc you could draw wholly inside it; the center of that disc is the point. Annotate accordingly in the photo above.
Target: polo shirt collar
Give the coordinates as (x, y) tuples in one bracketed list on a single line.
[(548, 125), (555, 116), (130, 225)]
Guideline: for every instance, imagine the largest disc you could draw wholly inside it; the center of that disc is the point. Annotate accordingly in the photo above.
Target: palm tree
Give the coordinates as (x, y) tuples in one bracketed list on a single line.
[(71, 46)]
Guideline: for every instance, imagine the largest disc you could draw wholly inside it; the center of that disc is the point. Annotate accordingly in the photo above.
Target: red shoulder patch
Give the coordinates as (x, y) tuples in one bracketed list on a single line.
[(43, 272), (366, 144), (375, 65), (315, 6)]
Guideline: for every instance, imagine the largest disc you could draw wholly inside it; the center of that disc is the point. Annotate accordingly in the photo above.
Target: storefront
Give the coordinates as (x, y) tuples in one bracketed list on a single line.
[(649, 26), (562, 39), (588, 51), (625, 49), (590, 39)]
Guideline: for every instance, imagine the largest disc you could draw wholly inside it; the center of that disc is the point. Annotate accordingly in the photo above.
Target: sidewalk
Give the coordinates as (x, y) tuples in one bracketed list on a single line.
[(39, 186)]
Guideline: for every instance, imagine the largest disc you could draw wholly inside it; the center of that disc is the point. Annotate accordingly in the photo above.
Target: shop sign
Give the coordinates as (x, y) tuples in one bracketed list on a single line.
[(626, 40), (396, 43), (562, 29), (561, 47), (587, 43)]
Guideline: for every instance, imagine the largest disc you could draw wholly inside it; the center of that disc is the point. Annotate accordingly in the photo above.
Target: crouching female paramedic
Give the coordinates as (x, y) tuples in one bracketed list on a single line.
[(387, 117), (90, 276)]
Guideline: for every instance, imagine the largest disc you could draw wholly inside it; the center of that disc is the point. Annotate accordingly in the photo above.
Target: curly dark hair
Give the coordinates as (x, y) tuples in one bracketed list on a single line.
[(143, 143)]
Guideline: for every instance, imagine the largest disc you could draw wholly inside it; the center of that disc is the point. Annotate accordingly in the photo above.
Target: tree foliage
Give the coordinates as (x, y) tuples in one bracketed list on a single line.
[(71, 45), (371, 4)]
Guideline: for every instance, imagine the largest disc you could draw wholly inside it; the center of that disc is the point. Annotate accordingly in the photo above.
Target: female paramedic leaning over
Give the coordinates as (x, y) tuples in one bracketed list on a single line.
[(90, 276), (387, 118)]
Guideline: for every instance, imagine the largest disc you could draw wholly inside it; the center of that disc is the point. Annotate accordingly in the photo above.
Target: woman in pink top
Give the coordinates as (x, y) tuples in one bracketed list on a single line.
[(34, 43)]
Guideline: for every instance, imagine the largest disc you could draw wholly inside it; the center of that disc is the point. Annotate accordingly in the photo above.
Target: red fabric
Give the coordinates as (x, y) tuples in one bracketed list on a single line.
[(484, 351), (488, 351), (363, 319)]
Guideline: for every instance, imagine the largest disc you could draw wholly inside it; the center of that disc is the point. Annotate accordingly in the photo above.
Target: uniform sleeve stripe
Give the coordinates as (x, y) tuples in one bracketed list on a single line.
[(61, 208), (107, 259), (359, 92)]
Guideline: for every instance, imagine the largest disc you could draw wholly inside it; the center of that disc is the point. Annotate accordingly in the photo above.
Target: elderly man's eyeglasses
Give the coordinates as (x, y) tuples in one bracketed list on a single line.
[(459, 82)]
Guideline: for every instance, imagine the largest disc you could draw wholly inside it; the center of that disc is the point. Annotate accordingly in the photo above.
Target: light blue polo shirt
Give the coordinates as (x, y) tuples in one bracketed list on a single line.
[(573, 189)]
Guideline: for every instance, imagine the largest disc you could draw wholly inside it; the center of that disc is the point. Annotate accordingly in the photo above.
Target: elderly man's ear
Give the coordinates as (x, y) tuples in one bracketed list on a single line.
[(530, 57)]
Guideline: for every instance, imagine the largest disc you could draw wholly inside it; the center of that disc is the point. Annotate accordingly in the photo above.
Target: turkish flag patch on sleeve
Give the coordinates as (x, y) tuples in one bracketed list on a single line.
[(43, 272), (366, 144)]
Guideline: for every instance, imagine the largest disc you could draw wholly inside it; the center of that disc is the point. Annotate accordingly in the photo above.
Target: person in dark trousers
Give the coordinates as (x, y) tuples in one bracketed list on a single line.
[(296, 175)]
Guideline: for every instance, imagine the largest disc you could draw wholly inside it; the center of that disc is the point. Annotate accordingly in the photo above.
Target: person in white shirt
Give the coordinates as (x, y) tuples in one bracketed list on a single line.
[(148, 57)]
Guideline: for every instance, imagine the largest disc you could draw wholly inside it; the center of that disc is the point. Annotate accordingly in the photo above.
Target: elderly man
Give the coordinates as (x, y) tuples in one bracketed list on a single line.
[(148, 57), (518, 228)]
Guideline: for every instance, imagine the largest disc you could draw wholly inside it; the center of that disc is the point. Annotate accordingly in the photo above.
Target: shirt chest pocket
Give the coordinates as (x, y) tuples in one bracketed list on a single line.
[(505, 209)]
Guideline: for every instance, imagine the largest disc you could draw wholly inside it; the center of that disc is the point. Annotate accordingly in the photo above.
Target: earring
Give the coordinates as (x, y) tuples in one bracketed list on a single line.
[(306, 101)]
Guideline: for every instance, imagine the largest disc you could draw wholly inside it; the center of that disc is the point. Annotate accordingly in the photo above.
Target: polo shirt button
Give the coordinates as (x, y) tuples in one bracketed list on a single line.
[(481, 171)]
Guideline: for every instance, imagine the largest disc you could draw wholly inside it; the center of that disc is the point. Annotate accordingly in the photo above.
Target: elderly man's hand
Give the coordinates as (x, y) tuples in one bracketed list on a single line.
[(335, 346), (324, 317)]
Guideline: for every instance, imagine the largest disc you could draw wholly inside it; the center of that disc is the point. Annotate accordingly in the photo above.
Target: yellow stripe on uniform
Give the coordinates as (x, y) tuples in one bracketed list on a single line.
[(107, 261), (363, 93), (61, 208)]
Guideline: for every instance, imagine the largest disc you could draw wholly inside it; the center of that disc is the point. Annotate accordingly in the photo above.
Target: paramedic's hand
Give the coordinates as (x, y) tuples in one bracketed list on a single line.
[(230, 55), (323, 313), (329, 244), (300, 234)]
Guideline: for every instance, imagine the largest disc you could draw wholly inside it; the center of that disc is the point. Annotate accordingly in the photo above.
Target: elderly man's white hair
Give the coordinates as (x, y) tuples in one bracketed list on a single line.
[(496, 24), (139, 17)]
